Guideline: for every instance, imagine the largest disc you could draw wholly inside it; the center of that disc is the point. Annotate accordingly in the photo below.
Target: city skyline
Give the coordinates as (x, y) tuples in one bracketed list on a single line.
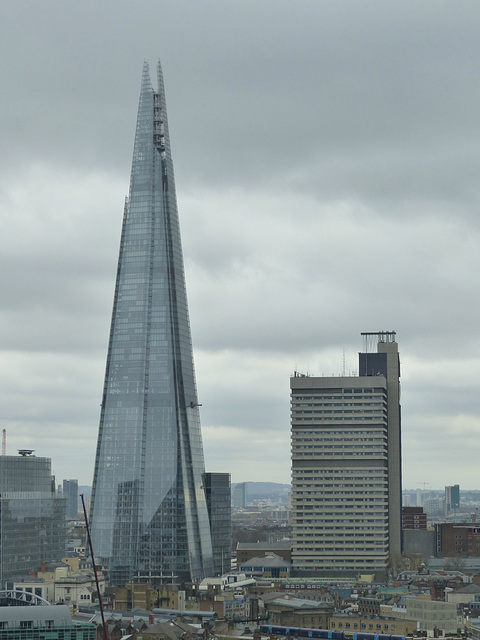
[(327, 159)]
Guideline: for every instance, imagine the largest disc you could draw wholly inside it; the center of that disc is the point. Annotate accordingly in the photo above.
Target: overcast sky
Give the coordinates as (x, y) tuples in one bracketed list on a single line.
[(327, 159)]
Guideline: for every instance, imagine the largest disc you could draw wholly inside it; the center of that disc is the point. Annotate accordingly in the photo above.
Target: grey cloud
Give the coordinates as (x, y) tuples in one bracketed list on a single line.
[(326, 162)]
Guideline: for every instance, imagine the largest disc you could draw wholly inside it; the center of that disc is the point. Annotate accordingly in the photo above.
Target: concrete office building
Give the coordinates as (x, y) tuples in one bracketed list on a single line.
[(346, 466), (149, 516), (32, 516)]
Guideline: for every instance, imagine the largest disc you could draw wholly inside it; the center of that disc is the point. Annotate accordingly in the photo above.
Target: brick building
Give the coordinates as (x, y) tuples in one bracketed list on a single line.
[(414, 518), (458, 539)]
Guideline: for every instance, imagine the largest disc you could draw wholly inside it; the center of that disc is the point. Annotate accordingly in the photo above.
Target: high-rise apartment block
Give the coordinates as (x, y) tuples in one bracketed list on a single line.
[(149, 514), (452, 498), (346, 466), (240, 495), (32, 516)]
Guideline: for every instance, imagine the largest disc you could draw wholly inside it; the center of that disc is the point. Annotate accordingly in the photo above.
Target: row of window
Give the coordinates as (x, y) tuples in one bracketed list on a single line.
[(340, 391), (363, 625)]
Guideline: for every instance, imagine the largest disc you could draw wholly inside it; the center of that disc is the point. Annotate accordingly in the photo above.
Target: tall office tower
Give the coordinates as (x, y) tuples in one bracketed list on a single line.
[(240, 496), (148, 513), (346, 466), (452, 498), (70, 492), (219, 504), (32, 516)]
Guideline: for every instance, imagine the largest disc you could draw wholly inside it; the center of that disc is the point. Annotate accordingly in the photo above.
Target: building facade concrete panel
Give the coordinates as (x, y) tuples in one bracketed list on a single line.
[(346, 467)]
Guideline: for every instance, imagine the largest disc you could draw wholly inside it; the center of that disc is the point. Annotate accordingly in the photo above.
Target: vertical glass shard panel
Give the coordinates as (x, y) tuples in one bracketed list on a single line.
[(148, 513)]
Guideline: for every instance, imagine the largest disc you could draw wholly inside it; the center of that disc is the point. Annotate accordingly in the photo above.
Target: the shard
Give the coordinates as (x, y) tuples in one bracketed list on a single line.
[(149, 515)]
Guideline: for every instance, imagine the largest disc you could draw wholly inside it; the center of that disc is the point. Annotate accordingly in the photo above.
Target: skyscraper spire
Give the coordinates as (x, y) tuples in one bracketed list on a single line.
[(149, 515)]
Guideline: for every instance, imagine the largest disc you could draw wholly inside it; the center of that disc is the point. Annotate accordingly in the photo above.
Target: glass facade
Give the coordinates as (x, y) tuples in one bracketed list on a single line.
[(219, 504), (70, 492), (148, 513), (32, 516)]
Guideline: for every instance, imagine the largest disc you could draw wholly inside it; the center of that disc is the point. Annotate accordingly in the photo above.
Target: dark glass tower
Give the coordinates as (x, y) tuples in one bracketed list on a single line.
[(149, 515)]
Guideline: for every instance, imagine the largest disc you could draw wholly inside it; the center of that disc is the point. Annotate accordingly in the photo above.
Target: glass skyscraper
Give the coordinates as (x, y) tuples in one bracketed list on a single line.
[(149, 514)]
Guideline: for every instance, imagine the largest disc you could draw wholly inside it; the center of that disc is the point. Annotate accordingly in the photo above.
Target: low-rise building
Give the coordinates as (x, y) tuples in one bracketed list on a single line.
[(226, 595), (472, 628), (47, 621), (464, 595), (143, 595), (61, 586), (288, 611), (171, 630), (270, 566), (247, 550), (414, 518), (458, 540), (76, 590), (371, 624), (434, 615)]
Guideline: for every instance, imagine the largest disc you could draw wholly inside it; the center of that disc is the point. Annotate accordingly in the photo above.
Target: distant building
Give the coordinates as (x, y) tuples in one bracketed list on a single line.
[(452, 498), (70, 492), (414, 518), (219, 506), (434, 506), (407, 500), (346, 466), (240, 496), (32, 516)]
